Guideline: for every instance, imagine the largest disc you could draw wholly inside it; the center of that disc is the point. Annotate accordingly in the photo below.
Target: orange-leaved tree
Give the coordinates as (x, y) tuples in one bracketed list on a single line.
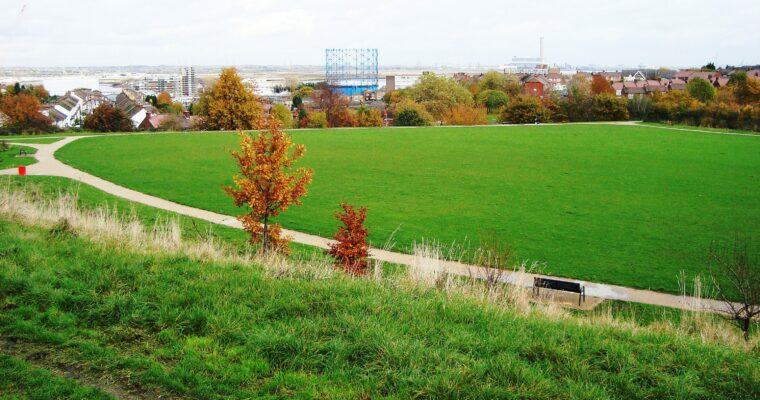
[(268, 184), (351, 248)]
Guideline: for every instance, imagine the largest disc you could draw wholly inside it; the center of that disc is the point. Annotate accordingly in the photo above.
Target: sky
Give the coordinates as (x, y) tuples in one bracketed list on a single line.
[(51, 33)]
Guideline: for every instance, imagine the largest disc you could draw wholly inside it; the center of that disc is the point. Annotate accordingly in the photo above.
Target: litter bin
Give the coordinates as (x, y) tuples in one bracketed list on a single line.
[(22, 171)]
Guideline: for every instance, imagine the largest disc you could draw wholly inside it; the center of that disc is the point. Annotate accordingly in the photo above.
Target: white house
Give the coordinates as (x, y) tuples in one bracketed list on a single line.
[(67, 112)]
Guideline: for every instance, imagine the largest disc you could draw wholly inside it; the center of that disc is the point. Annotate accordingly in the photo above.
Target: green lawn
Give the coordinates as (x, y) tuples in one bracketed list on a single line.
[(620, 204), (9, 159), (45, 140), (182, 328)]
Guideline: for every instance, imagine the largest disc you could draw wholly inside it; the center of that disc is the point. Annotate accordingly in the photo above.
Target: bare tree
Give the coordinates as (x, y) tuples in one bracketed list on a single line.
[(739, 266)]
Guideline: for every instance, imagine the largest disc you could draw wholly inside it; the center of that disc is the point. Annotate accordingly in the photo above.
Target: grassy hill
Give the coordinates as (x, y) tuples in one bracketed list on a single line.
[(145, 310), (620, 204)]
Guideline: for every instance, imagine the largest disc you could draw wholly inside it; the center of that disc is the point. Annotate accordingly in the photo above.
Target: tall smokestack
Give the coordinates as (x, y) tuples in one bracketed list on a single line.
[(542, 50)]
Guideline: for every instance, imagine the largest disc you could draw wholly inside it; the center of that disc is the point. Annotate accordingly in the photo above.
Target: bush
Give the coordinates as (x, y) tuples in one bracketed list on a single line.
[(368, 117), (409, 113), (316, 119), (524, 110), (608, 107), (466, 115), (351, 249)]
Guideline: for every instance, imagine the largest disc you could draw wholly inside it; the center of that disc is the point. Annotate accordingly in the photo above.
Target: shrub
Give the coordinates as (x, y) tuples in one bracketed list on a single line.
[(608, 107), (316, 119), (369, 117), (351, 248), (409, 113), (524, 110), (462, 114)]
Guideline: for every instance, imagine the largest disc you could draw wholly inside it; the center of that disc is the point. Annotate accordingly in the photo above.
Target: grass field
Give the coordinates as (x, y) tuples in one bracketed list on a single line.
[(43, 140), (173, 325), (9, 159), (619, 204)]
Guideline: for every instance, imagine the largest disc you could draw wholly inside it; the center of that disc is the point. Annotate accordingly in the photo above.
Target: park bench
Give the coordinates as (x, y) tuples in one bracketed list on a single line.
[(555, 284), (22, 153)]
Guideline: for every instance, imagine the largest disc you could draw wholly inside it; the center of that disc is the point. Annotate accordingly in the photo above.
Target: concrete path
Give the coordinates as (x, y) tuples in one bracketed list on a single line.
[(48, 165)]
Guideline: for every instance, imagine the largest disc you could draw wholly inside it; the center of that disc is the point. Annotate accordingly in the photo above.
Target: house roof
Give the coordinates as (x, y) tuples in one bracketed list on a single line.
[(68, 102), (127, 105), (56, 115), (618, 85), (634, 90), (535, 79)]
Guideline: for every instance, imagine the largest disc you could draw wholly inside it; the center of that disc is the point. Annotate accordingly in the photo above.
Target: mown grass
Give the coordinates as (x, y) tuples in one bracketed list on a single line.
[(223, 330), (21, 380), (46, 140), (620, 204), (699, 128), (10, 159)]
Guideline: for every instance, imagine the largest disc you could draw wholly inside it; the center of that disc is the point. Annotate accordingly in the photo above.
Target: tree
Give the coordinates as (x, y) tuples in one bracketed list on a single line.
[(524, 110), (369, 117), (461, 114), (335, 106), (283, 115), (23, 113), (351, 249), (709, 67), (297, 102), (739, 265), (492, 80), (409, 113), (231, 105), (152, 99), (746, 89), (600, 84), (608, 107), (492, 99), (268, 184), (107, 118), (701, 89), (438, 94), (163, 101)]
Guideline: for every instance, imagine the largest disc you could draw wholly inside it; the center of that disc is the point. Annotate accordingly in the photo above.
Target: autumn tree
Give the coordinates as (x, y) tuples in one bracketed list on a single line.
[(745, 89), (369, 117), (437, 94), (107, 118), (351, 249), (23, 112), (608, 107), (461, 114), (229, 104), (492, 80), (335, 107), (163, 101), (600, 84), (268, 184), (315, 120)]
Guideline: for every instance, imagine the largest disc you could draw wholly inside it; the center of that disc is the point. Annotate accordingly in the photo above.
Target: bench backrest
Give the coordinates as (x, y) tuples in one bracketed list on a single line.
[(574, 287)]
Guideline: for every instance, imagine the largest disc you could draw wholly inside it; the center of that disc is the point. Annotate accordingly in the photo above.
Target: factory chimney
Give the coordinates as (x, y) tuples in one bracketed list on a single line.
[(543, 60)]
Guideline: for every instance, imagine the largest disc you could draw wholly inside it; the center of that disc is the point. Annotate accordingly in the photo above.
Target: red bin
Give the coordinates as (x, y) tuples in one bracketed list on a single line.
[(21, 170)]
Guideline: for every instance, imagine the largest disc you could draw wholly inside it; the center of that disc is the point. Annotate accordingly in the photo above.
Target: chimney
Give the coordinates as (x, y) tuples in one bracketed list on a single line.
[(542, 50)]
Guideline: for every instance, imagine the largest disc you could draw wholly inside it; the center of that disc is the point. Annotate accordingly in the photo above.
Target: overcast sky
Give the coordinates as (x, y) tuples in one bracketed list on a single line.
[(406, 32)]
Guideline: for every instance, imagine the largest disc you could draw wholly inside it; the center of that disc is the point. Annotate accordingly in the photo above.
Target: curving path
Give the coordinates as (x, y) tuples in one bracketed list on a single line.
[(48, 165)]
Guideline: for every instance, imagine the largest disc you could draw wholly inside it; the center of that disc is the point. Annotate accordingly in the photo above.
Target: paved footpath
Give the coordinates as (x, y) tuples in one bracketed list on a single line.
[(48, 165)]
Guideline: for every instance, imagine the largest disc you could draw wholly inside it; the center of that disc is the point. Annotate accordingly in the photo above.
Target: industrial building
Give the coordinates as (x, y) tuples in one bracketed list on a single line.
[(351, 71)]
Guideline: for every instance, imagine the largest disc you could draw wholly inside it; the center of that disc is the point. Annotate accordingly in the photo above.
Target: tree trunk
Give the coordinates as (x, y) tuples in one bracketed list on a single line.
[(745, 328), (265, 234)]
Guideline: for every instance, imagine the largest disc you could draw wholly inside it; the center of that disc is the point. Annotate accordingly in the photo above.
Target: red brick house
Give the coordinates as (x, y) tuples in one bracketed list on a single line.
[(537, 86)]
